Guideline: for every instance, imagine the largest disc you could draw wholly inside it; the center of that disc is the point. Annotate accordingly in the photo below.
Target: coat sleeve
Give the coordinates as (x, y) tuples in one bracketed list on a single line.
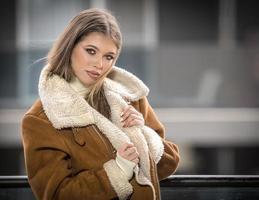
[(48, 166), (170, 158)]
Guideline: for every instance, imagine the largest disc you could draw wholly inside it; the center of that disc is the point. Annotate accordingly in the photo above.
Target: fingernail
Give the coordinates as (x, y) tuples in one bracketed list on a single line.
[(121, 114)]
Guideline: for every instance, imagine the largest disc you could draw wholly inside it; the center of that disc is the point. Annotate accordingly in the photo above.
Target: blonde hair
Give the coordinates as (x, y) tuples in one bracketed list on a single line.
[(86, 22)]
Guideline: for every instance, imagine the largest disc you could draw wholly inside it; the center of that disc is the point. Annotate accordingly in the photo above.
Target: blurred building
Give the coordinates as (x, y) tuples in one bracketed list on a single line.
[(199, 58)]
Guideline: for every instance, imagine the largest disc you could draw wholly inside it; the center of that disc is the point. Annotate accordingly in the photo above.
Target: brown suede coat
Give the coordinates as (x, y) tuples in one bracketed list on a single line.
[(69, 163)]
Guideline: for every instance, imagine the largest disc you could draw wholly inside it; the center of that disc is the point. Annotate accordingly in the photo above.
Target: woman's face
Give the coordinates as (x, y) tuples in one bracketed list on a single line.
[(92, 57)]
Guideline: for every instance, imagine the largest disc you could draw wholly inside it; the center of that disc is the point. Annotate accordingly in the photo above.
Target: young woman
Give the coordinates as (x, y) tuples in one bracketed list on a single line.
[(93, 134)]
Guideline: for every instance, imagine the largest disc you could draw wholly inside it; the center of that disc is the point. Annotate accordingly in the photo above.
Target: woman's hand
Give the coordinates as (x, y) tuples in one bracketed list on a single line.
[(129, 152), (131, 117)]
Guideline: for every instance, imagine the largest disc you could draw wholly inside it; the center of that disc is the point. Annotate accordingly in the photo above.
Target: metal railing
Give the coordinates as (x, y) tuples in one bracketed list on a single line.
[(176, 187), (211, 181)]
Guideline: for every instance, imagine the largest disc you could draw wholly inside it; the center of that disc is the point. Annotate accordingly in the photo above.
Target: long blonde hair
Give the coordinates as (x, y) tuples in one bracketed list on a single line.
[(86, 22)]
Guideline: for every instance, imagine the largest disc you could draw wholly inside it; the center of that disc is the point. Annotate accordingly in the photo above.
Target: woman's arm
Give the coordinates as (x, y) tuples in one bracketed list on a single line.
[(170, 158), (49, 169)]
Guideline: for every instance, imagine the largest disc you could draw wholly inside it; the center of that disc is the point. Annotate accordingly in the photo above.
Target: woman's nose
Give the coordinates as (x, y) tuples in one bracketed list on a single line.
[(99, 63)]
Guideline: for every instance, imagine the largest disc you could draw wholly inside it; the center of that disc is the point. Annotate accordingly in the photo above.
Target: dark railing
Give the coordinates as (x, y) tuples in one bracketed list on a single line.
[(203, 187), (177, 187)]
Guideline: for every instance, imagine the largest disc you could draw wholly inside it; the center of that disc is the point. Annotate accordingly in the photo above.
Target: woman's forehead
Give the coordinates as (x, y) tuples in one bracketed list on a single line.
[(101, 41)]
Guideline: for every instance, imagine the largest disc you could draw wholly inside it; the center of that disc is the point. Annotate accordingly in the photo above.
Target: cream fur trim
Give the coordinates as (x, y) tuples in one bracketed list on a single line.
[(118, 180), (126, 166), (79, 87), (63, 106), (137, 137), (154, 142), (127, 84)]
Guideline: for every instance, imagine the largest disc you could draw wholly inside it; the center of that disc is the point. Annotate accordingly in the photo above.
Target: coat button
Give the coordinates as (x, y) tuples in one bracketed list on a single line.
[(78, 138), (81, 142)]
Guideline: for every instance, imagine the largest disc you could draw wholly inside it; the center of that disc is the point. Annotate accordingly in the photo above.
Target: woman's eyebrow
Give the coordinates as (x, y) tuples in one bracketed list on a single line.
[(93, 46)]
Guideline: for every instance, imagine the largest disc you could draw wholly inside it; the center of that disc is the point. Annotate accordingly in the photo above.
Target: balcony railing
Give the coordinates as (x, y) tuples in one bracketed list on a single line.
[(177, 187)]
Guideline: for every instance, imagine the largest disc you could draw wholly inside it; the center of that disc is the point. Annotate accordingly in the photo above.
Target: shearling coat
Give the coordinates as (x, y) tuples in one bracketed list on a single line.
[(70, 148)]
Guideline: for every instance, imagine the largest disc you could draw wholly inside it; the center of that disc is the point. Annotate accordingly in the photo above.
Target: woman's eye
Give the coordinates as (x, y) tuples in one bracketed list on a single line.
[(91, 51), (109, 57)]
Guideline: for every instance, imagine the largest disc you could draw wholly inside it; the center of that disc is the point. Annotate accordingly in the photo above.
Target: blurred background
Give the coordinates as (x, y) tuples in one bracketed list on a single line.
[(199, 58)]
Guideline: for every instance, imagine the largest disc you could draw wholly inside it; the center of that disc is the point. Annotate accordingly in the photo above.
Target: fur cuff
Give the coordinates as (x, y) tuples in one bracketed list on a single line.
[(118, 179), (154, 142)]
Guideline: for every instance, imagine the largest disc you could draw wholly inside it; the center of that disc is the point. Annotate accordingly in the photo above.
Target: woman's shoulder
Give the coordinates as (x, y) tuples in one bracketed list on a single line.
[(36, 125), (36, 110), (38, 131)]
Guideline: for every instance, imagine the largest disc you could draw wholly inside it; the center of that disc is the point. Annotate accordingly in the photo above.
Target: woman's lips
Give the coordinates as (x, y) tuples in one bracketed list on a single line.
[(93, 74)]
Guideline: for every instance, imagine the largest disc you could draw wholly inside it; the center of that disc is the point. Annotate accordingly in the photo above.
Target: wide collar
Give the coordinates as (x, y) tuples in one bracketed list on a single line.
[(66, 108)]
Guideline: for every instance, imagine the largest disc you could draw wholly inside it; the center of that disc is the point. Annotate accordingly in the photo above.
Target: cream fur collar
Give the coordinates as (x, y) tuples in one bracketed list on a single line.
[(66, 108)]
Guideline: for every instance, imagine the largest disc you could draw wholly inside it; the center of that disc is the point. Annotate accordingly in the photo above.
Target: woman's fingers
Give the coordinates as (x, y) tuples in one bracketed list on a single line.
[(130, 117), (133, 156), (129, 110), (129, 152), (136, 160), (124, 147), (133, 120)]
